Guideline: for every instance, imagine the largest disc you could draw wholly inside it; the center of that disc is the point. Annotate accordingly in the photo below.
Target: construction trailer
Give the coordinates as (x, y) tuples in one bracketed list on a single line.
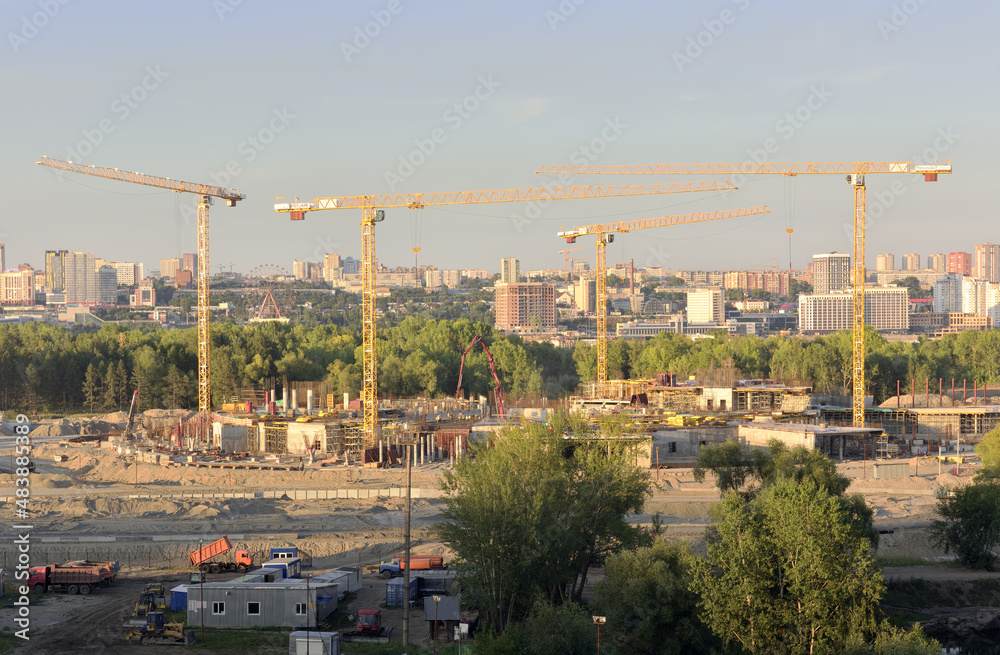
[(288, 603)]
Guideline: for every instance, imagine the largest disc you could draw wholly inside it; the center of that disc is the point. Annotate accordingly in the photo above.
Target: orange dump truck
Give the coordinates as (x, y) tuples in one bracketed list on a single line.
[(219, 556)]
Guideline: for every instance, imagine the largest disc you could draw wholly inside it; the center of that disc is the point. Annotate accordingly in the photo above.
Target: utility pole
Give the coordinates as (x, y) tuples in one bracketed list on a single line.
[(406, 537)]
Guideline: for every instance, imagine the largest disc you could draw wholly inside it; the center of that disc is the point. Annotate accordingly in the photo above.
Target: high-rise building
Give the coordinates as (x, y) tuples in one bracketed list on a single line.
[(831, 272), (885, 262), (510, 270), (525, 305), (585, 295), (886, 309), (17, 287), (190, 263), (451, 278), (55, 271), (937, 262), (433, 278), (911, 262), (959, 262), (351, 266), (81, 278), (144, 296), (129, 273), (987, 265), (974, 296), (475, 274), (107, 285), (169, 267), (948, 293), (331, 262), (705, 306)]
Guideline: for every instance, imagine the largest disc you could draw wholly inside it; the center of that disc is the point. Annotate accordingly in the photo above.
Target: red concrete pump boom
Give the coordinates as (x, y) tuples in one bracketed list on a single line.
[(493, 369)]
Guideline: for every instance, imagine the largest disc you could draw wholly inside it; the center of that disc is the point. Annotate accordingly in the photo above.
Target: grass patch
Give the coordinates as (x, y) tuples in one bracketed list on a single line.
[(251, 640), (901, 560), (392, 648)]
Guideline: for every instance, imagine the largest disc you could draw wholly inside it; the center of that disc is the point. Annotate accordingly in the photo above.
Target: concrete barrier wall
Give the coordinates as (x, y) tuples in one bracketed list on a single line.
[(292, 494)]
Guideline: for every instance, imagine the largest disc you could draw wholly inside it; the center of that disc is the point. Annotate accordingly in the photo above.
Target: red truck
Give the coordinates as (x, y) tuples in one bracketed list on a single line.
[(209, 558), (71, 579), (417, 563)]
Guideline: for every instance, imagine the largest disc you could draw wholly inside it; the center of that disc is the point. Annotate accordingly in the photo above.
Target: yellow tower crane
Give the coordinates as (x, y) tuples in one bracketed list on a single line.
[(605, 235), (205, 194), (372, 213), (855, 173)]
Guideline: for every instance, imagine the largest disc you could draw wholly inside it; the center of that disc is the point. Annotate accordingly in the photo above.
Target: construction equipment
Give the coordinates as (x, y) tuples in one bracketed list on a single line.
[(372, 213), (493, 369), (397, 564), (205, 194), (155, 630), (149, 601), (566, 258), (70, 579), (855, 173), (605, 235), (209, 558), (131, 416), (368, 628)]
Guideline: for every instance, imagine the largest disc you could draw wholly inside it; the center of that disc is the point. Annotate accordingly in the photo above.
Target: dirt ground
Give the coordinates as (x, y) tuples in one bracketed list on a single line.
[(81, 507)]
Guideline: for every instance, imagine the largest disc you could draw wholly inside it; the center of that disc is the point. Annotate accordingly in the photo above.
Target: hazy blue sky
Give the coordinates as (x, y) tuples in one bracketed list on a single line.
[(290, 96)]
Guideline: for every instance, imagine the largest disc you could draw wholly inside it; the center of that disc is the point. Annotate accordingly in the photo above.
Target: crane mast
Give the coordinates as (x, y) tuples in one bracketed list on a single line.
[(205, 193), (855, 173), (605, 235), (372, 212)]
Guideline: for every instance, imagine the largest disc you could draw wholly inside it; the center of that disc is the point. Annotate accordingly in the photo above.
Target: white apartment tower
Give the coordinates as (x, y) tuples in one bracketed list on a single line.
[(831, 272)]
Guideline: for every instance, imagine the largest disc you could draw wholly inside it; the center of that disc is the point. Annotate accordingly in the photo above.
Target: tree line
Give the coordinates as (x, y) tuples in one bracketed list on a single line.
[(788, 566), (59, 369)]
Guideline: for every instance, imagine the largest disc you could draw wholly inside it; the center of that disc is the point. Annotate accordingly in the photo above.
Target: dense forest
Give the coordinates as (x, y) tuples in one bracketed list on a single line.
[(57, 369)]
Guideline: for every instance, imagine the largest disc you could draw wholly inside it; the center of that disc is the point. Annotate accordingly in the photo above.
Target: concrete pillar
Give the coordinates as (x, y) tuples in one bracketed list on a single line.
[(842, 448), (347, 400), (380, 451), (309, 402), (295, 402)]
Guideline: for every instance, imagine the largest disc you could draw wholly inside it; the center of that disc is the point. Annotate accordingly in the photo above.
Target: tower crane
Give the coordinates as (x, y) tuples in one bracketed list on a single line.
[(605, 235), (205, 194), (372, 208), (855, 173), (566, 258)]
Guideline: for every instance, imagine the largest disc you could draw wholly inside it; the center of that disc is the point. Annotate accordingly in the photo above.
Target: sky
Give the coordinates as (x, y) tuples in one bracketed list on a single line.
[(316, 99)]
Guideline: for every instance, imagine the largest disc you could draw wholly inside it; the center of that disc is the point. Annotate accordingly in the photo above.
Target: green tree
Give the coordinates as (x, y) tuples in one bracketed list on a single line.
[(896, 641), (913, 288), (565, 629), (91, 386), (531, 513), (989, 449), (646, 597), (787, 572), (970, 522)]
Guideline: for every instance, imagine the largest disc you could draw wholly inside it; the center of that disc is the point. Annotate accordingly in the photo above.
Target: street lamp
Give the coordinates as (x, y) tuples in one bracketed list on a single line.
[(599, 621), (437, 599)]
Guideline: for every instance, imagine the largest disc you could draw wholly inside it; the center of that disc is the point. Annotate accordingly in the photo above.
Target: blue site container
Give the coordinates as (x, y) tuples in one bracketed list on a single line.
[(394, 591)]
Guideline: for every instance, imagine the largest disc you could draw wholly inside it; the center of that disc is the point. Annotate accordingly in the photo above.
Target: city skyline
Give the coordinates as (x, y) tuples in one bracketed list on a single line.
[(321, 115)]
